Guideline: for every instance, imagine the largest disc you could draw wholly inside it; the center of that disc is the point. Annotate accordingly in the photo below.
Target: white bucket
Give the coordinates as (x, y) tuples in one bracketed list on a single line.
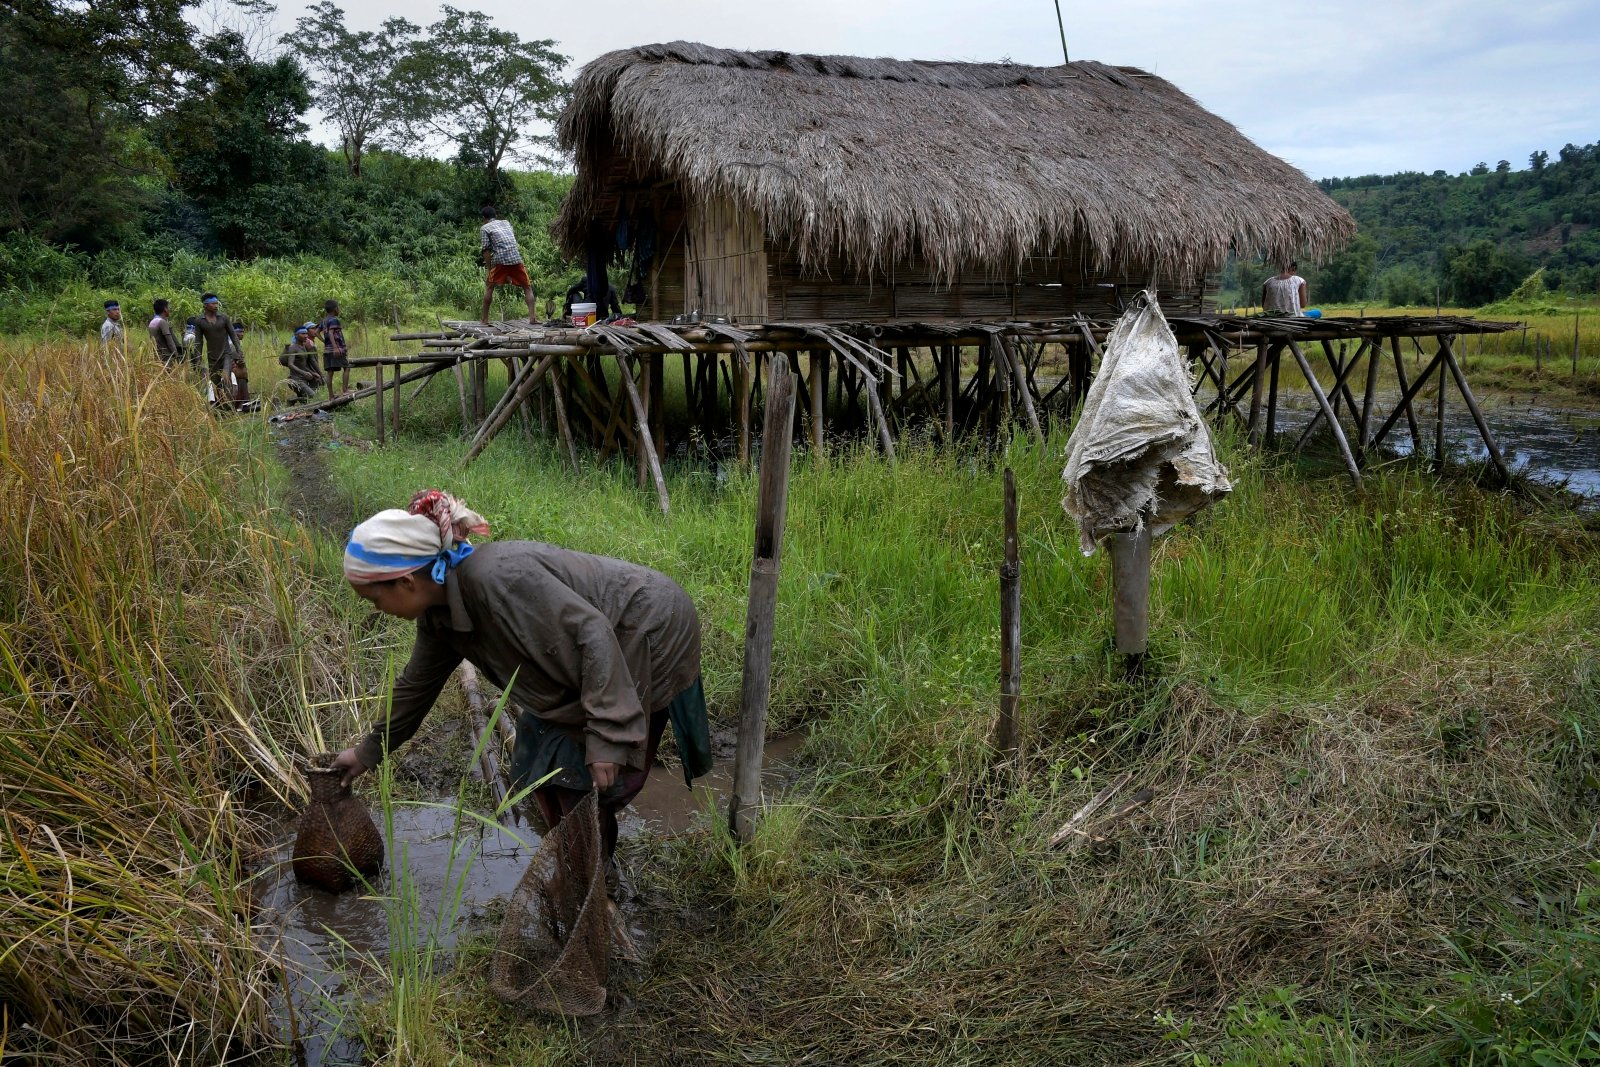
[(583, 315)]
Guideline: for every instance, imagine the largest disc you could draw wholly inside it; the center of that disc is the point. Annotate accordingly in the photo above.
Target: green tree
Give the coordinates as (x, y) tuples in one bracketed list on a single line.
[(1347, 275), (238, 150), (354, 73), (483, 90), (1483, 272)]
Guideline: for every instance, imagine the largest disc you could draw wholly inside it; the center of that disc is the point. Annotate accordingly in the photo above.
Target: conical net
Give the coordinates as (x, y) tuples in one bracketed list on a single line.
[(554, 940)]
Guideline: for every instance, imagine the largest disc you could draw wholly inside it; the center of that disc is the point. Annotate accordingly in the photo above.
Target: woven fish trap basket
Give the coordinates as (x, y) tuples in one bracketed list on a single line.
[(337, 844)]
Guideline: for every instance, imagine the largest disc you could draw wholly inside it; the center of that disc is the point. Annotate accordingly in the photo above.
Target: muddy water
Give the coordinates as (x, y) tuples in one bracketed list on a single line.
[(1550, 445), (331, 942)]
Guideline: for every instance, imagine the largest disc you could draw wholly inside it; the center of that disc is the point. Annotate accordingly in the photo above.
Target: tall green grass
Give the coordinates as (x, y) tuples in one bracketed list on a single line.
[(1361, 721), (149, 605)]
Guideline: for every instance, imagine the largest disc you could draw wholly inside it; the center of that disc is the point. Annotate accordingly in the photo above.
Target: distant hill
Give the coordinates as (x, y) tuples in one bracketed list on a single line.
[(1468, 239)]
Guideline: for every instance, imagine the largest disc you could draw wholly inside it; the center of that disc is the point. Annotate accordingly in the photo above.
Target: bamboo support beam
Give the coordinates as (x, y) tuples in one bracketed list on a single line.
[(488, 744), (1327, 410), (513, 399), (644, 443), (1489, 442), (378, 405), (562, 426)]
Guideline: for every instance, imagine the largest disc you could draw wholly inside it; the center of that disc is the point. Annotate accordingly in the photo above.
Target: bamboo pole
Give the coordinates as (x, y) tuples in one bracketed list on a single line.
[(378, 407), (1373, 350), (1327, 410), (1130, 585), (461, 394), (1404, 408), (1257, 393), (396, 403), (641, 461), (1438, 423), (1024, 394), (1477, 415), (488, 744), (1406, 392), (741, 406), (563, 427), (644, 443), (771, 508), (814, 388), (1008, 730), (513, 399)]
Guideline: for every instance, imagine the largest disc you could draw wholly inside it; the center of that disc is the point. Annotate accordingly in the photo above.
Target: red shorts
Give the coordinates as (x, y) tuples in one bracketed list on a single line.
[(509, 274)]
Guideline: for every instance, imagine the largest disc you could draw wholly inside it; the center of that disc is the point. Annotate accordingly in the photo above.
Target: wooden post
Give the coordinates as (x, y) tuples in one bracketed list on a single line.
[(1477, 415), (461, 393), (515, 396), (658, 403), (949, 383), (1258, 390), (641, 462), (647, 447), (1130, 596), (1274, 357), (377, 370), (1405, 397), (1007, 733), (1024, 396), (1438, 424), (1574, 348), (396, 398), (772, 504), (480, 390), (1327, 411), (563, 427), (1369, 397), (741, 406), (884, 439), (814, 387)]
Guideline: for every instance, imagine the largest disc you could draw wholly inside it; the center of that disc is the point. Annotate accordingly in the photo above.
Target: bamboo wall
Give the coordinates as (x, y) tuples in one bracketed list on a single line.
[(725, 262), (1046, 287)]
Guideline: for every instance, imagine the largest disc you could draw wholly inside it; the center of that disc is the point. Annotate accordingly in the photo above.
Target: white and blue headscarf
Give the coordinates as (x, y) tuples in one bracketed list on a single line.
[(433, 530)]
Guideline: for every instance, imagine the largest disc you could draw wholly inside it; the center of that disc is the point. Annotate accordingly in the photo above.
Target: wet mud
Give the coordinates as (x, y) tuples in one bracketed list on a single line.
[(303, 441)]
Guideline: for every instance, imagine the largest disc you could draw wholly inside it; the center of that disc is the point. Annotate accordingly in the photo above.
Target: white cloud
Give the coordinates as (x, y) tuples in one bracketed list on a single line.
[(1338, 89)]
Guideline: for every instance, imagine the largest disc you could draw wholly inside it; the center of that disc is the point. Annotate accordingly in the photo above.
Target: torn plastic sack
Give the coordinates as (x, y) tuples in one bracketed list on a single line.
[(1140, 452)]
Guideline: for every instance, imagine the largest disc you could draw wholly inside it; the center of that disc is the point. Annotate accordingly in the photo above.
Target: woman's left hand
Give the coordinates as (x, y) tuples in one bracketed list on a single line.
[(604, 775)]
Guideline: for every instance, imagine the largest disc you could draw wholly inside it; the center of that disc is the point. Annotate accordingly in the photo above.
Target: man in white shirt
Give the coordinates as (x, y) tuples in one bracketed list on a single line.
[(504, 260), (111, 329), (1284, 293)]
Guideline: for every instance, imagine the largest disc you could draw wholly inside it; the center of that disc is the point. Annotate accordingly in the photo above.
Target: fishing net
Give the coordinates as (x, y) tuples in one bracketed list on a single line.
[(1140, 453), (554, 940)]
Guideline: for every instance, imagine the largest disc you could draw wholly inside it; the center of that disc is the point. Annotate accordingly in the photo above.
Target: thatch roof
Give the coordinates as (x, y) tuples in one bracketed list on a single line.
[(962, 163)]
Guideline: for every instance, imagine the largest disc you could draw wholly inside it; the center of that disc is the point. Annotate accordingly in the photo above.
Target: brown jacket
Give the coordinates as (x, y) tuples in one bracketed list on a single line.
[(595, 644)]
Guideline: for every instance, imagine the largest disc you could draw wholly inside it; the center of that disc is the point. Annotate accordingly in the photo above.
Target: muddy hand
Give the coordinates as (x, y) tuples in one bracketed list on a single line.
[(604, 775), (348, 762)]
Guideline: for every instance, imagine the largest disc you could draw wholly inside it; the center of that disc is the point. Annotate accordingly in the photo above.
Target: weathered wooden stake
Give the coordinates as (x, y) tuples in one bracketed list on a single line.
[(488, 744), (1130, 585), (1328, 412), (461, 393), (1007, 734), (378, 399), (772, 504), (1477, 414), (814, 387)]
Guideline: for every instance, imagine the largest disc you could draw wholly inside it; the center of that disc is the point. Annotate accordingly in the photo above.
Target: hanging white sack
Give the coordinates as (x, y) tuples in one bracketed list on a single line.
[(1140, 452)]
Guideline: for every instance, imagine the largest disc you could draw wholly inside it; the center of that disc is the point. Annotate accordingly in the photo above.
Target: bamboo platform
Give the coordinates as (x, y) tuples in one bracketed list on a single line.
[(601, 387)]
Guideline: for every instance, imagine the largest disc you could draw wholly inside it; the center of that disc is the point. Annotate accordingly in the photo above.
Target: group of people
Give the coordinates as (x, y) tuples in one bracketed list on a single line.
[(299, 356), (216, 337)]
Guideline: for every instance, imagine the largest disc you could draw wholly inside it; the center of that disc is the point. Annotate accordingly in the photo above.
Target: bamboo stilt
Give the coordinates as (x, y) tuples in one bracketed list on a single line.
[(645, 444), (1327, 410)]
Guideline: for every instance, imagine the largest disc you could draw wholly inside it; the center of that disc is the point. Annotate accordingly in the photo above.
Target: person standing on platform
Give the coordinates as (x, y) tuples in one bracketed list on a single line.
[(111, 336), (504, 260), (1284, 293), (335, 352)]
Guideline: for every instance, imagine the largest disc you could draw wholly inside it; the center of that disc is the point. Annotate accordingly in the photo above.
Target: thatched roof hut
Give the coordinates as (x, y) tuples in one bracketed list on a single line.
[(797, 180)]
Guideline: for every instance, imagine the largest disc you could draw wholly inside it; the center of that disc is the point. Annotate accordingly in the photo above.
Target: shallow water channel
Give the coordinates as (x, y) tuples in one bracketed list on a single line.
[(1555, 446), (457, 867)]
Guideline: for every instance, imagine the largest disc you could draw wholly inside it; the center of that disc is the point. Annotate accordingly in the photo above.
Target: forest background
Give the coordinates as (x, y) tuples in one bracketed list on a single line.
[(155, 148)]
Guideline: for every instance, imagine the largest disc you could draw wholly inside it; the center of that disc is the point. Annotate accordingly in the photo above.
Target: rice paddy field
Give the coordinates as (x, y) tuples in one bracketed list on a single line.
[(1369, 725)]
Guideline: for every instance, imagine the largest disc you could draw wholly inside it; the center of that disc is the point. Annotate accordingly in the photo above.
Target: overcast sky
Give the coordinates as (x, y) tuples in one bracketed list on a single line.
[(1357, 87)]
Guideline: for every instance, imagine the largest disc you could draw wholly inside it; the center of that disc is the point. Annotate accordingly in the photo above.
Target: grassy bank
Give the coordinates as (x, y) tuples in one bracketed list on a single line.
[(1368, 725), (158, 628)]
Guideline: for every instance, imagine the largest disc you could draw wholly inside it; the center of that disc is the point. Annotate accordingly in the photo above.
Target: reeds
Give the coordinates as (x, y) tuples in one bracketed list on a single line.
[(153, 637)]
